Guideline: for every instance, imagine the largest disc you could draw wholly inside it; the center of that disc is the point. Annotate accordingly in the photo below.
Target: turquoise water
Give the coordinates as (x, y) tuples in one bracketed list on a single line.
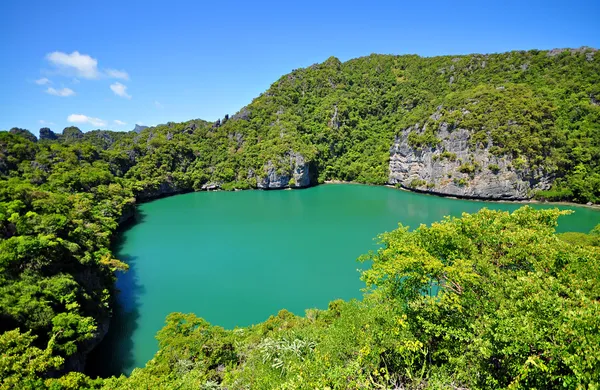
[(235, 258)]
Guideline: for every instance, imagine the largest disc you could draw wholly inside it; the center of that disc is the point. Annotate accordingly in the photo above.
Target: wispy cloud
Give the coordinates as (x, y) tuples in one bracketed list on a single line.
[(120, 90), (43, 81), (116, 74), (43, 122), (157, 104), (119, 123), (80, 118), (63, 92)]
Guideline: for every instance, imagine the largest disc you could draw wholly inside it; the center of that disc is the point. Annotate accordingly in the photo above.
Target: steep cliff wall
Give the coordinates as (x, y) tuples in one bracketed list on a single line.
[(455, 167), (293, 172)]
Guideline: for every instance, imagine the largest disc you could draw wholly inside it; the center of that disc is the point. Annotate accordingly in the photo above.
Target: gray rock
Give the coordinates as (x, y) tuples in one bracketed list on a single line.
[(243, 114), (334, 123), (23, 133), (583, 49), (72, 133), (273, 178), (210, 186), (437, 114), (42, 167), (237, 137), (293, 172), (493, 177), (301, 171), (139, 128), (190, 128), (46, 133), (163, 189)]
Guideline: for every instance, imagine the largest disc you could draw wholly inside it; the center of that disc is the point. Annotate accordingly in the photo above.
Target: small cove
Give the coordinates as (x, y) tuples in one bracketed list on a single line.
[(235, 258)]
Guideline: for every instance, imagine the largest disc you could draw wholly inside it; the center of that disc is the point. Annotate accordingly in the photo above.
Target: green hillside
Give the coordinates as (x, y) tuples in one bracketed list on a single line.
[(62, 198)]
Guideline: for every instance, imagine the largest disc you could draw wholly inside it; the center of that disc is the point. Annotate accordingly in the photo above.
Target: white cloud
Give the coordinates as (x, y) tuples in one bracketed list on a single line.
[(64, 92), (116, 74), (43, 81), (80, 118), (120, 90), (76, 81), (43, 122), (157, 104), (119, 123), (81, 65)]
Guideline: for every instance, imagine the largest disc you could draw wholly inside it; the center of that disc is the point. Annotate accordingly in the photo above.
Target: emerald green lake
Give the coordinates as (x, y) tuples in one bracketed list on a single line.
[(235, 258)]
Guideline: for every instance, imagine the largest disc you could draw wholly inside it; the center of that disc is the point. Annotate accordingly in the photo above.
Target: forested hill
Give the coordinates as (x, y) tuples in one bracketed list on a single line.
[(518, 123), (508, 125)]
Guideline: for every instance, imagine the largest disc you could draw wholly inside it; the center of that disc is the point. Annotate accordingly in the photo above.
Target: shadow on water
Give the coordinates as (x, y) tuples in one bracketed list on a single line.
[(114, 354)]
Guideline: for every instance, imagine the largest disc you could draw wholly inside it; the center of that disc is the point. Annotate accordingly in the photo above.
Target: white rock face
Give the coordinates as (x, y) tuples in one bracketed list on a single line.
[(295, 168), (428, 169)]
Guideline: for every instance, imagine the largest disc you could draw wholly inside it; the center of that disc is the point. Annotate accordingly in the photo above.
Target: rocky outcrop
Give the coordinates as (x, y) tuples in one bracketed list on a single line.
[(293, 172), (456, 168), (46, 133), (127, 212), (23, 133), (139, 128), (211, 186), (243, 114), (72, 133), (163, 189), (579, 50)]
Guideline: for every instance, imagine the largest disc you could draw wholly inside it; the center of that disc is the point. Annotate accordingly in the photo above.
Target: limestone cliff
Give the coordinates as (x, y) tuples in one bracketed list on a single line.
[(162, 189), (293, 172), (456, 167)]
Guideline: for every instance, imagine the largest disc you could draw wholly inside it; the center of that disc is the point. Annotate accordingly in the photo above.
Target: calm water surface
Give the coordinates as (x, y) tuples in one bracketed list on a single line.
[(235, 258)]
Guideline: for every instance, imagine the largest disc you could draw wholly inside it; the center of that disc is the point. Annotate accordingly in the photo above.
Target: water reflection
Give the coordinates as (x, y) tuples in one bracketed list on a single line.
[(116, 349)]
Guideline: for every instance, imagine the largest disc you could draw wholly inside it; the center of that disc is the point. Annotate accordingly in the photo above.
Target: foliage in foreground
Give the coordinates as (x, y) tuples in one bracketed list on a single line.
[(488, 300)]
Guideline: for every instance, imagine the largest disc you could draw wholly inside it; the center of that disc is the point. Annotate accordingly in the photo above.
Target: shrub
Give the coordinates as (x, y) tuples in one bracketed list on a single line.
[(494, 168)]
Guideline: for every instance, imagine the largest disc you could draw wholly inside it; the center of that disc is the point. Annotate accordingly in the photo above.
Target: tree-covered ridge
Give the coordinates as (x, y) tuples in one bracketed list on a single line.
[(59, 206), (533, 105), (539, 108), (63, 196)]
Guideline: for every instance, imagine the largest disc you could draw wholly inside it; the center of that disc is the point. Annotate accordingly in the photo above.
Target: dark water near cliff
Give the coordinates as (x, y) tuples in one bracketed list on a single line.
[(235, 258)]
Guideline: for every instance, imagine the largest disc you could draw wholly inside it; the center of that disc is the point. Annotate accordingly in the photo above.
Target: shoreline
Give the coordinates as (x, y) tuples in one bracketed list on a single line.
[(440, 195), (401, 188)]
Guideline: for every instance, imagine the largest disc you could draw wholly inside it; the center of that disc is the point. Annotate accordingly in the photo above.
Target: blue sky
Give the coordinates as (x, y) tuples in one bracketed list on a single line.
[(111, 64)]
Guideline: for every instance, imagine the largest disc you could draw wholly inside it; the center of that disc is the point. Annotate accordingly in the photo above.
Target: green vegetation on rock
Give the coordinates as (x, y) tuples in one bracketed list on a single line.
[(494, 294)]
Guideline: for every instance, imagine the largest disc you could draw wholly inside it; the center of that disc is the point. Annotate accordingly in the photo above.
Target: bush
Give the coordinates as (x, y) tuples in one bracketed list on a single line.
[(415, 183)]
